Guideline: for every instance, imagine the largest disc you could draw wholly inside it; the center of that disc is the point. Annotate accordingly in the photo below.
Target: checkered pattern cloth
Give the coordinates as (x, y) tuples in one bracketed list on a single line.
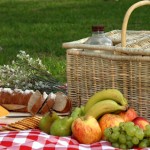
[(36, 140)]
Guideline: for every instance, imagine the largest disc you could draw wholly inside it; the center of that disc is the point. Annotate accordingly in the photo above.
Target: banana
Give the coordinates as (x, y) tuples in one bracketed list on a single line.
[(112, 94), (103, 107)]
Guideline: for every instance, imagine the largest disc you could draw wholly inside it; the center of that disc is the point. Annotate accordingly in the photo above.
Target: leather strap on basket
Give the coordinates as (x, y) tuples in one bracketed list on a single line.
[(126, 18)]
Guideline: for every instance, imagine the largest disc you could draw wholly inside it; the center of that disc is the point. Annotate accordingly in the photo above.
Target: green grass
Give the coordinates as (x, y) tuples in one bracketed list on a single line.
[(41, 26)]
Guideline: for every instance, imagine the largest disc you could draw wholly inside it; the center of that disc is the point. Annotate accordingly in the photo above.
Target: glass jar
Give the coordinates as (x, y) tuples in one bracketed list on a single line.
[(98, 37)]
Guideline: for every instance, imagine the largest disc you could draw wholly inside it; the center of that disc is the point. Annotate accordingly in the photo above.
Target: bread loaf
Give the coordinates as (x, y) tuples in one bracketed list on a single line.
[(57, 102), (48, 104), (62, 103), (34, 101), (14, 100)]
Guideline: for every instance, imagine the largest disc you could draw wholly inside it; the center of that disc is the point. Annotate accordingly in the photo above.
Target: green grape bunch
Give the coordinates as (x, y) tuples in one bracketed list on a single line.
[(128, 135)]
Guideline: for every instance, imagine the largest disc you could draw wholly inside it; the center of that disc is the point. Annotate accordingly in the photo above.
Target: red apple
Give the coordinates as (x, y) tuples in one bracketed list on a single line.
[(109, 120), (128, 115), (86, 130), (141, 122)]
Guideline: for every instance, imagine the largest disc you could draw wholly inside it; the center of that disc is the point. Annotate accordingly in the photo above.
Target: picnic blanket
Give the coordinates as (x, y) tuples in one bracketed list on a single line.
[(35, 139)]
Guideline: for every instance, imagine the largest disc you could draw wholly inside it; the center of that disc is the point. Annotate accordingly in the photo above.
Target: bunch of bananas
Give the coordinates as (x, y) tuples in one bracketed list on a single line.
[(105, 101)]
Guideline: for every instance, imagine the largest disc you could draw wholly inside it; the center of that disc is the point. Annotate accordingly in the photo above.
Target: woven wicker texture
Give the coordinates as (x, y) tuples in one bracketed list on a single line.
[(125, 67), (115, 35), (141, 42), (88, 73)]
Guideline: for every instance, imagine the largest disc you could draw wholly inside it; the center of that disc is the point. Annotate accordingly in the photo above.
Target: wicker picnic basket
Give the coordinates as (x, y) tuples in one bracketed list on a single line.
[(125, 66)]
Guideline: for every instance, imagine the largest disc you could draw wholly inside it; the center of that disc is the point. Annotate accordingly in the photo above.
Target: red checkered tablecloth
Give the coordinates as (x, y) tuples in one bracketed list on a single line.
[(36, 140)]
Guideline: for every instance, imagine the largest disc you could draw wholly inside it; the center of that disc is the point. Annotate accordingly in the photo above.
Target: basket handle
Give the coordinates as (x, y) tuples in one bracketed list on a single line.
[(126, 18)]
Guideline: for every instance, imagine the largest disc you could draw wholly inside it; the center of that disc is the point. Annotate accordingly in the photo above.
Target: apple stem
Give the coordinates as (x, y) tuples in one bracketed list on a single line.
[(85, 117), (50, 111)]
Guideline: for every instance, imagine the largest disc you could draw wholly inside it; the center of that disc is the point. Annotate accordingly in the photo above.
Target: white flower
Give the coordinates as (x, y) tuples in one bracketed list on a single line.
[(17, 81), (24, 73), (29, 85), (7, 84), (22, 52), (23, 83), (12, 69), (13, 62), (30, 59)]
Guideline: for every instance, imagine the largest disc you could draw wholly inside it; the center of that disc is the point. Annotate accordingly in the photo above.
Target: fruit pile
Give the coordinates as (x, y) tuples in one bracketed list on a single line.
[(127, 135), (105, 116)]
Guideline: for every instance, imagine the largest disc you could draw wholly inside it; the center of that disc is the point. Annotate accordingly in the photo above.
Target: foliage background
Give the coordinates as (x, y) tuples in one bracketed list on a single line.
[(40, 27)]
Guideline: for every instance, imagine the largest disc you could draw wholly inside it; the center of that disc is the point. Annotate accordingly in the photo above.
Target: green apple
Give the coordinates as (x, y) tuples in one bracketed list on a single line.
[(61, 127), (47, 120)]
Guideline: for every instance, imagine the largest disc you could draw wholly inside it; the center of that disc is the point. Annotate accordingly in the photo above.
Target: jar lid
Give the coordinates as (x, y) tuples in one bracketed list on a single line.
[(97, 28)]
